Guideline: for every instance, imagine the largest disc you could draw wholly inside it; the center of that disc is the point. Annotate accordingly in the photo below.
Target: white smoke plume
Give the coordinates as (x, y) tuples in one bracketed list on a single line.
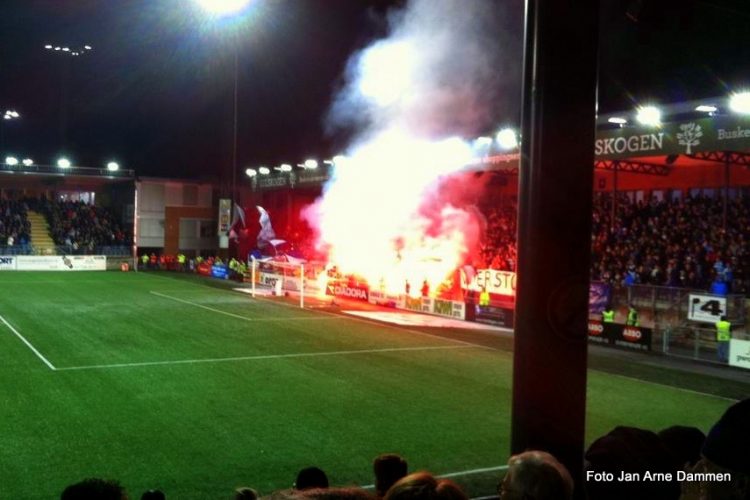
[(409, 97)]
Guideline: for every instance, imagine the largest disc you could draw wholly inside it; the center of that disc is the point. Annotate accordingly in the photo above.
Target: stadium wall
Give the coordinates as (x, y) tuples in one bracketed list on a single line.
[(178, 236)]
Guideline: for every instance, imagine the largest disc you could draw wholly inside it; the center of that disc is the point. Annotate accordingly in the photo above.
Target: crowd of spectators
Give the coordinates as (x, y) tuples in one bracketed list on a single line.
[(15, 229), (678, 243), (82, 227), (685, 242), (498, 249), (627, 463)]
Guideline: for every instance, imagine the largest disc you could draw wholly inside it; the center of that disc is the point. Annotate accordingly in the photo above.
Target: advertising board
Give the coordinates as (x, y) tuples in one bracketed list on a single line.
[(7, 263), (61, 263)]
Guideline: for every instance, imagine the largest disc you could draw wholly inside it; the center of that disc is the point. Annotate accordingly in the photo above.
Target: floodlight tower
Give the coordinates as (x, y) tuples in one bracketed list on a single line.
[(220, 9), (9, 116), (66, 53)]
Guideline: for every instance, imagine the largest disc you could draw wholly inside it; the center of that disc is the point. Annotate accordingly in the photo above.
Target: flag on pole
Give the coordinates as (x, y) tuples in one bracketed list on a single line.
[(239, 218), (266, 233)]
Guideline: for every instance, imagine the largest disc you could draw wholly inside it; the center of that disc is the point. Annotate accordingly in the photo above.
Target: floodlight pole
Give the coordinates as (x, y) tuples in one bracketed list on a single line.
[(554, 230), (234, 130)]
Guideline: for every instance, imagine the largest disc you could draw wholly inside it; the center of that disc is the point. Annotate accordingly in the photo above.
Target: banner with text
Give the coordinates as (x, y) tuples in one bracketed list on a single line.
[(496, 282), (7, 263), (739, 353), (718, 133), (61, 263), (631, 337)]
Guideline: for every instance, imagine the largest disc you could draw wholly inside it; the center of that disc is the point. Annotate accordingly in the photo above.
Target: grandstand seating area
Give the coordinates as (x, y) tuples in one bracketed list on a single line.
[(676, 243), (15, 229), (80, 227), (498, 250)]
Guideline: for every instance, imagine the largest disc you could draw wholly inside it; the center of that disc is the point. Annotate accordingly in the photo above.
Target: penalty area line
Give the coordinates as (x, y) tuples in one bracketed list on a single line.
[(28, 344), (263, 357), (245, 318)]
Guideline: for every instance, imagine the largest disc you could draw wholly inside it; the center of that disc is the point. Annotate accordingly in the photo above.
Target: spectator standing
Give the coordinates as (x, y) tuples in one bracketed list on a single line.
[(723, 336), (632, 319)]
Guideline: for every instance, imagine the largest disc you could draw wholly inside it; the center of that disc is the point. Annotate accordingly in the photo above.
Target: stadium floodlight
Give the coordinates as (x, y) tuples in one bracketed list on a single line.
[(649, 116), (251, 172), (28, 162), (48, 47), (328, 162), (507, 139), (706, 108), (740, 102), (63, 163), (223, 7), (11, 160), (617, 120), (284, 167), (483, 141), (264, 170), (339, 159), (311, 164), (66, 49), (57, 48), (113, 166), (88, 47)]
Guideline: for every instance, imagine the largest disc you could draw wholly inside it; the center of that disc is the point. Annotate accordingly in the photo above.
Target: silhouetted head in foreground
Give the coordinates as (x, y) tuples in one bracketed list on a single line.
[(388, 469), (311, 477), (537, 475), (94, 489), (424, 486)]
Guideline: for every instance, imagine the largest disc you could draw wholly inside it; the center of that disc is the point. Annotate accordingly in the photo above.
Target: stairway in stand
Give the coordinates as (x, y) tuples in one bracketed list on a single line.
[(40, 238)]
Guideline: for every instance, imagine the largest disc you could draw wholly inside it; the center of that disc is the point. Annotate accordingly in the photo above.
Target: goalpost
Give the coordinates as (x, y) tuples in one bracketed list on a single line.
[(278, 278)]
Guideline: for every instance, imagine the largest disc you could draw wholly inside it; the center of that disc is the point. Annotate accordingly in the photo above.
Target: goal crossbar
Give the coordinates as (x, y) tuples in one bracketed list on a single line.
[(284, 277)]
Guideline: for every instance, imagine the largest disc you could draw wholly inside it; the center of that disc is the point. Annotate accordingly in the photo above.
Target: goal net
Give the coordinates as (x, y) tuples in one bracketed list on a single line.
[(278, 278)]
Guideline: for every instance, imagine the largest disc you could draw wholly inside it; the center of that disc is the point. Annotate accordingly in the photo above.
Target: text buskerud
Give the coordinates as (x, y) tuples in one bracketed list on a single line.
[(655, 477)]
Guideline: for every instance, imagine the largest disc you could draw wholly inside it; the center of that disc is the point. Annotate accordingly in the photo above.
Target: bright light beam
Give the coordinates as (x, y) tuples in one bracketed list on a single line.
[(223, 7)]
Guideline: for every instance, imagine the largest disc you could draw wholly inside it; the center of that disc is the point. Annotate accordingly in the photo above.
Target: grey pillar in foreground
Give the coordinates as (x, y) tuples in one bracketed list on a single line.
[(554, 229)]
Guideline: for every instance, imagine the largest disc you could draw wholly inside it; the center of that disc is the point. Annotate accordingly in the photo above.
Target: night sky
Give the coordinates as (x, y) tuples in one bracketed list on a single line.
[(155, 93)]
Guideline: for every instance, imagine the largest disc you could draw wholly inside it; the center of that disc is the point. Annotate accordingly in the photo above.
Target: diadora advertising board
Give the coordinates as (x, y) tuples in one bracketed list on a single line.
[(59, 263), (357, 292)]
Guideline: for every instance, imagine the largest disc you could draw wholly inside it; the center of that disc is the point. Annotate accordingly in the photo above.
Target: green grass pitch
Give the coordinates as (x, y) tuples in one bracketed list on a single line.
[(162, 382)]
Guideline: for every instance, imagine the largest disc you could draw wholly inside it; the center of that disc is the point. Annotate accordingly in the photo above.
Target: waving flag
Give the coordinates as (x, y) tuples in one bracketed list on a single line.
[(266, 233), (239, 218)]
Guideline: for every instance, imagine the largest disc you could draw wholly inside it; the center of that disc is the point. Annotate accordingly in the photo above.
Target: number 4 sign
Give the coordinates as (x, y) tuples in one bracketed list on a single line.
[(706, 308)]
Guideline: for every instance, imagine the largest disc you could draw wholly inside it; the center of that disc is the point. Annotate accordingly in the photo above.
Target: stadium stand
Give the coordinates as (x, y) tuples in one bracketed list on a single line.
[(676, 243), (15, 228), (82, 228)]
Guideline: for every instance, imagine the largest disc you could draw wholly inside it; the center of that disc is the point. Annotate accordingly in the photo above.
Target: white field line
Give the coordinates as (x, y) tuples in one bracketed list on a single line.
[(383, 324), (28, 344), (343, 316), (690, 391), (238, 316), (416, 332), (469, 472), (263, 357)]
